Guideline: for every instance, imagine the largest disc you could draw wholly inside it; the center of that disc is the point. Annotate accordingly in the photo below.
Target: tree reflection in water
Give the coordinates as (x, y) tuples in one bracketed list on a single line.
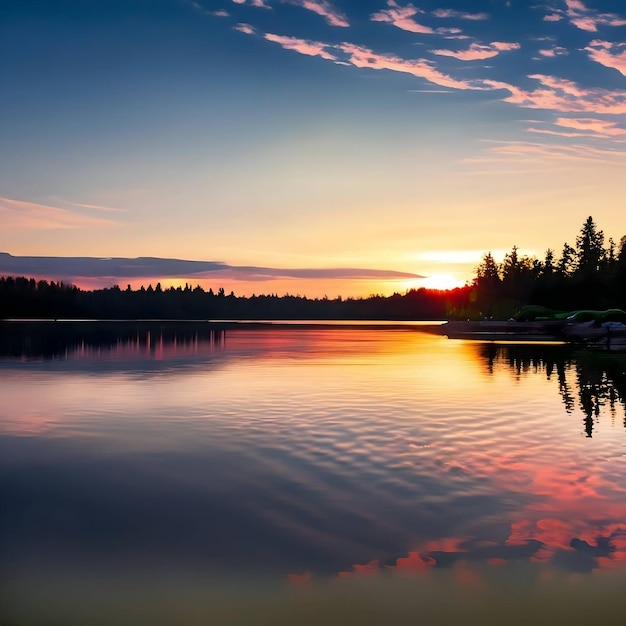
[(599, 377)]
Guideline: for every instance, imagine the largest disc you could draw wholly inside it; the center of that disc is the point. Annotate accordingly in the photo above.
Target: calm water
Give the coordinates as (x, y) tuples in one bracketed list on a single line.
[(151, 474)]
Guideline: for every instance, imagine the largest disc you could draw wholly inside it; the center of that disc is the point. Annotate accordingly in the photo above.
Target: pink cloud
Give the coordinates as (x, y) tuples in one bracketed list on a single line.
[(244, 28), (545, 131), (478, 51), (303, 46), (554, 52), (592, 125), (219, 13), (552, 17), (96, 207), (588, 19), (360, 56), (402, 17), (539, 154), (21, 215), (254, 3), (324, 9), (603, 52), (567, 86), (566, 96), (447, 13), (585, 23)]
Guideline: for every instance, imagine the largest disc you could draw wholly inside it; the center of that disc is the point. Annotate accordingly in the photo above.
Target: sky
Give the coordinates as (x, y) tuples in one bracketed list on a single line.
[(312, 147)]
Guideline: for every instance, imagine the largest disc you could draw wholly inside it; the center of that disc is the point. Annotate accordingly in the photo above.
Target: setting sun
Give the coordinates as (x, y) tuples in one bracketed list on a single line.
[(441, 282)]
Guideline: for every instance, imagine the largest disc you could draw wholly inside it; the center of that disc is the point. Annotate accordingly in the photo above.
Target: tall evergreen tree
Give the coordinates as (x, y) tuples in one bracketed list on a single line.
[(548, 264), (589, 247), (567, 262)]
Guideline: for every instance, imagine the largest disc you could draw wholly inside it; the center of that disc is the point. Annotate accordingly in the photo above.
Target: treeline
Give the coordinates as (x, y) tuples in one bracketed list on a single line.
[(28, 298), (589, 275)]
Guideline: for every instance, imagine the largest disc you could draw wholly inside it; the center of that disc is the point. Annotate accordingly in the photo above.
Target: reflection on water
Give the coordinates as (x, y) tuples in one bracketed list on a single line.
[(181, 462), (591, 381)]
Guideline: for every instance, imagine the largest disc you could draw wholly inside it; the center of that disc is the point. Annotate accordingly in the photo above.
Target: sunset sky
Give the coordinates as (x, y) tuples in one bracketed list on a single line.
[(306, 146)]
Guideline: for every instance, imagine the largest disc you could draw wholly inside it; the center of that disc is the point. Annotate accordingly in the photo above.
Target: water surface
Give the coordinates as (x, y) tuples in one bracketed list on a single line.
[(142, 461)]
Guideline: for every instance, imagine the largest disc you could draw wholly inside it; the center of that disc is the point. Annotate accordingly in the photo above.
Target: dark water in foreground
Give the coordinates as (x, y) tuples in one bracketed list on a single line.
[(181, 475)]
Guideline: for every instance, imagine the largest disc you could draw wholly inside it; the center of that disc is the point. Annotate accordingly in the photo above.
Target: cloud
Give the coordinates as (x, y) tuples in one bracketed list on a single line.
[(592, 125), (95, 207), (244, 28), (557, 133), (152, 267), (556, 94), (303, 46), (556, 51), (429, 91), (552, 17), (566, 96), (448, 13), (324, 9), (360, 56), (218, 13), (254, 3), (20, 215), (605, 53), (402, 17), (478, 51), (588, 19), (539, 154)]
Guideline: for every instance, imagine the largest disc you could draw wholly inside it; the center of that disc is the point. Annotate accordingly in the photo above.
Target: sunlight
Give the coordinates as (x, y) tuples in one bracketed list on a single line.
[(441, 282)]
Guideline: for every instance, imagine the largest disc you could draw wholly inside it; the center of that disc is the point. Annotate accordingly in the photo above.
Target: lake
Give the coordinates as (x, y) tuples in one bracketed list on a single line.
[(222, 474)]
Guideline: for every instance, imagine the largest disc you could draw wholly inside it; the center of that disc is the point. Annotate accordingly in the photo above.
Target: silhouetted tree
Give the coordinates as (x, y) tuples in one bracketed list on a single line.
[(567, 262), (589, 247)]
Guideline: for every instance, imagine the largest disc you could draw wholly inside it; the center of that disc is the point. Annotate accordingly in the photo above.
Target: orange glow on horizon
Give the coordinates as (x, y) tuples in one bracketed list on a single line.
[(309, 288)]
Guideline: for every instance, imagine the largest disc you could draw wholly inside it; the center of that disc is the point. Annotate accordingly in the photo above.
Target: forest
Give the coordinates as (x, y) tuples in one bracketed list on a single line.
[(29, 298), (590, 274)]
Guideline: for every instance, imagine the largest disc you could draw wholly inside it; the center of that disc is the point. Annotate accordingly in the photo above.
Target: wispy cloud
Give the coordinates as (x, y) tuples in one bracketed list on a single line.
[(95, 207), (303, 46), (478, 51), (589, 19), (603, 128), (153, 267), (360, 56), (324, 9), (539, 155), (556, 133), (20, 215), (217, 13), (608, 54), (244, 28), (566, 96), (556, 51), (261, 4), (461, 15), (402, 17), (552, 93)]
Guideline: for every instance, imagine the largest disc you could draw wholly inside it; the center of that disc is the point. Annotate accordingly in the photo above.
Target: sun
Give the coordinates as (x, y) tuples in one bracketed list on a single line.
[(441, 282)]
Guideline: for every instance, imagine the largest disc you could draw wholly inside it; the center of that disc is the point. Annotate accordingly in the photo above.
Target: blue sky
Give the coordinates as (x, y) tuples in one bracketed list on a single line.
[(310, 134)]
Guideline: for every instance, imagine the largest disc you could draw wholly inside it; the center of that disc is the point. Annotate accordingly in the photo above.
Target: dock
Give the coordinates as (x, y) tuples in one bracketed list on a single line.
[(609, 337)]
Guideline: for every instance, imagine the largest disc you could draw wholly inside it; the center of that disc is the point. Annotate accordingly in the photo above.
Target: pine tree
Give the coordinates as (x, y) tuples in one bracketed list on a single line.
[(589, 248)]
